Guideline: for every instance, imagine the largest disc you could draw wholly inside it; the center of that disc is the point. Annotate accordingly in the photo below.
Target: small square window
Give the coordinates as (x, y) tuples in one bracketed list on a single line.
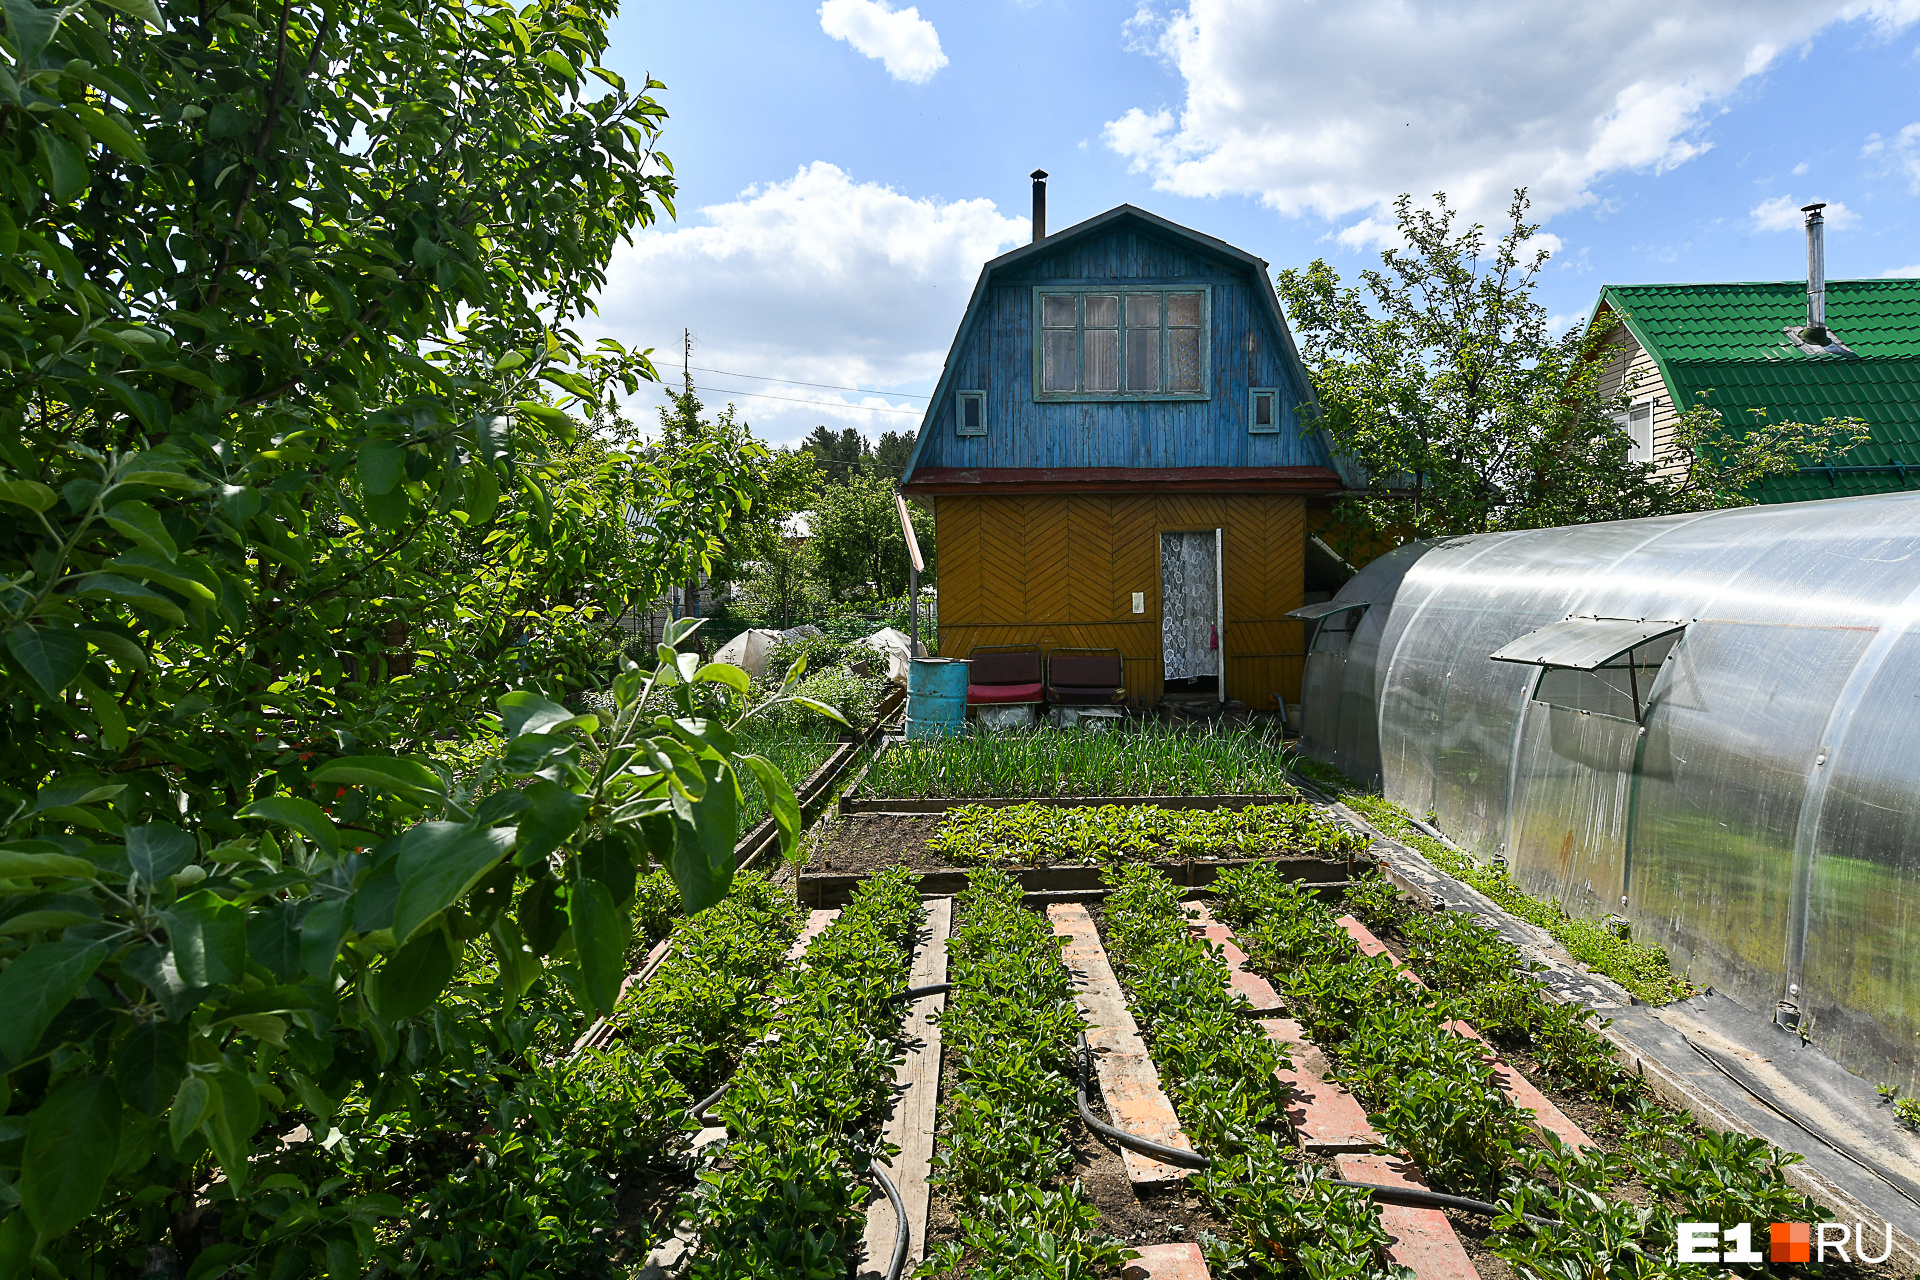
[(1263, 410), (970, 413)]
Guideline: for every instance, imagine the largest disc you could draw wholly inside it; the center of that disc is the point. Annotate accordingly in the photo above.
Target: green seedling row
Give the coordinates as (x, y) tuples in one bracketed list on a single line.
[(1149, 760), (1285, 1216), (1038, 834), (1431, 1094), (787, 1194), (1005, 1146)]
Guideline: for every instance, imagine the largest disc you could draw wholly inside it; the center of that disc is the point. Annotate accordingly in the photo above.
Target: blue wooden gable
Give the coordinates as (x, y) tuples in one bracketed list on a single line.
[(993, 359)]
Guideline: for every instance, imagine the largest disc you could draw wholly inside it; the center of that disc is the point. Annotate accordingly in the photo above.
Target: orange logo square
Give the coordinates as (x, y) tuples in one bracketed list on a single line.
[(1791, 1241)]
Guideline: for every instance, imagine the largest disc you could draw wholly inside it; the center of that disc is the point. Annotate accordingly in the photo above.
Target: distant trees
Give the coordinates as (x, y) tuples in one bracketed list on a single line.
[(846, 454), (1440, 376), (856, 532)]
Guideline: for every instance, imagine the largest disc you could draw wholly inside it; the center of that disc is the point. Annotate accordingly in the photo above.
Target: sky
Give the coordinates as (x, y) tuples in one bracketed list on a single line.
[(845, 168)]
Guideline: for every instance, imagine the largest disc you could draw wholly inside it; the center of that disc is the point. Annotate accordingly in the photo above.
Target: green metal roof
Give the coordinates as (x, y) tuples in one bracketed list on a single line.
[(1731, 341)]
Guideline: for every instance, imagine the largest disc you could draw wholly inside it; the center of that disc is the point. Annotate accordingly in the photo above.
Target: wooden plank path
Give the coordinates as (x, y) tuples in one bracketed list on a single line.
[(1135, 1101), (1327, 1118), (1520, 1091), (1423, 1239), (917, 1098)]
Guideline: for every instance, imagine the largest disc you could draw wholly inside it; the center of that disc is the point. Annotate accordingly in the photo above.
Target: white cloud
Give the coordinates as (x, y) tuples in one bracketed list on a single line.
[(817, 279), (1902, 273), (1335, 108), (1782, 213), (903, 40), (1800, 168), (1901, 152)]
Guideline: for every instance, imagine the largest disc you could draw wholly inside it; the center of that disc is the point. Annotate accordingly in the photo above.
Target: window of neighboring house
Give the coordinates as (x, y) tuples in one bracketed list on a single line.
[(1263, 410), (970, 413), (1121, 344), (1637, 422)]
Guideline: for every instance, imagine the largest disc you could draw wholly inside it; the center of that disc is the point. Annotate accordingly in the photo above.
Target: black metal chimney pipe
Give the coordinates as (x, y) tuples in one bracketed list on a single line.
[(1039, 204)]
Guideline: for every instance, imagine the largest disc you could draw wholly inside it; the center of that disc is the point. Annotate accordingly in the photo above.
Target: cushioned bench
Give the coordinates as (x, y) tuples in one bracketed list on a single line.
[(1085, 677), (1004, 676)]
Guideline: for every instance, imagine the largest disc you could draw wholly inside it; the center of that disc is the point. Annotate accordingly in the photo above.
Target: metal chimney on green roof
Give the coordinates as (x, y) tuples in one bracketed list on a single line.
[(1816, 331)]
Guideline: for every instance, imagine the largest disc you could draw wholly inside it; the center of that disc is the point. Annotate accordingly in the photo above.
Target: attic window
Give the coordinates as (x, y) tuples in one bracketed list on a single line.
[(1263, 410), (1121, 344), (970, 413)]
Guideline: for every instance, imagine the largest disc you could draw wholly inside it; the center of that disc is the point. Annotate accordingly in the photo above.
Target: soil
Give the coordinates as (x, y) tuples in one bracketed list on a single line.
[(861, 842)]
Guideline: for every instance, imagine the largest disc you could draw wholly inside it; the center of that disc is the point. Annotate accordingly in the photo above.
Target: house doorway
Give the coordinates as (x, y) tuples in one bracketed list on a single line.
[(1193, 660)]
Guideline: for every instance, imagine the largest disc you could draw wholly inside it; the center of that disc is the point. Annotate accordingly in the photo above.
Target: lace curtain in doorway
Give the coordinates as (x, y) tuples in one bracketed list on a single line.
[(1189, 585)]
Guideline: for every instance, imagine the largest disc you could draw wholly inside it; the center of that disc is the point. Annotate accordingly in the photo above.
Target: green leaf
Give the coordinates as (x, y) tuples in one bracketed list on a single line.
[(18, 864), (37, 986), (209, 936), (724, 673), (610, 861), (145, 10), (156, 568), (320, 932), (601, 932), (510, 361), (127, 591), (704, 832), (53, 658), (781, 801), (483, 493), (157, 850), (142, 523), (273, 937), (518, 966), (262, 1026), (120, 648), (382, 465), (30, 29), (438, 862), (231, 1120), (304, 816), (553, 814), (493, 432), (72, 1140), (149, 1063), (403, 775), (109, 132), (30, 494), (413, 976), (542, 920), (811, 704), (189, 1109), (523, 712)]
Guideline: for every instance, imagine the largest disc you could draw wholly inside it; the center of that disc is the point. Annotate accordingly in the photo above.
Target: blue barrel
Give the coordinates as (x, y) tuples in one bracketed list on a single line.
[(937, 697)]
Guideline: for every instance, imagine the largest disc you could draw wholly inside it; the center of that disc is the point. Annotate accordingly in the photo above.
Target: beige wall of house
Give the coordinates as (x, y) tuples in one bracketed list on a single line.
[(1626, 360)]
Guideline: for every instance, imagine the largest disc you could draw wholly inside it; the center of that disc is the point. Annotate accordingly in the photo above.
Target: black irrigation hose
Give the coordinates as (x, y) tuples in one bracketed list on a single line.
[(899, 1263), (1409, 1197)]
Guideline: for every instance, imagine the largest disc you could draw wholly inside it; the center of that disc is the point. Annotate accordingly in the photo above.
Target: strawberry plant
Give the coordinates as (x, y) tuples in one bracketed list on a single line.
[(786, 1193), (1037, 834), (1009, 1030)]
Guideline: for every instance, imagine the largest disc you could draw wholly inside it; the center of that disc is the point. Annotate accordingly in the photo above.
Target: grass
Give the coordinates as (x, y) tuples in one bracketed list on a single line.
[(1038, 835), (1146, 761), (1640, 967), (793, 755)]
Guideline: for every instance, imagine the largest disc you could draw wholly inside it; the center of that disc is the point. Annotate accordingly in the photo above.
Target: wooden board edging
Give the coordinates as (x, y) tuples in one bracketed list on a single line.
[(871, 804)]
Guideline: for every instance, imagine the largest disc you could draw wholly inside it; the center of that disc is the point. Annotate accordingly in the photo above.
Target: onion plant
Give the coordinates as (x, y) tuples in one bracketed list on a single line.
[(1149, 760)]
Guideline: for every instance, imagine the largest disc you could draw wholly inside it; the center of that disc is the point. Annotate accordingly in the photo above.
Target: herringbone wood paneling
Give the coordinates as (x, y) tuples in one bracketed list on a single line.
[(1090, 589), (1003, 560), (957, 521), (1136, 557), (1049, 563)]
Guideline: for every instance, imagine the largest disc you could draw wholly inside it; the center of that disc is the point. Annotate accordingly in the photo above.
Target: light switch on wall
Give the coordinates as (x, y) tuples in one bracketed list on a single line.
[(1139, 602)]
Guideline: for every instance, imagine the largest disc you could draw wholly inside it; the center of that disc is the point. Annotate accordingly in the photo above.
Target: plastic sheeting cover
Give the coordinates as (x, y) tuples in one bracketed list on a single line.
[(1761, 823)]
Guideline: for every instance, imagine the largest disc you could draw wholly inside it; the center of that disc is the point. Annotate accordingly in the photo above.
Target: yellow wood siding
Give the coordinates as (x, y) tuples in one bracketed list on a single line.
[(1061, 571)]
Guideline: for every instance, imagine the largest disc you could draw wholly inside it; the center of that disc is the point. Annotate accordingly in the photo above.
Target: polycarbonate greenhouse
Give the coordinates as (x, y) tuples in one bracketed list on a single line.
[(1708, 724)]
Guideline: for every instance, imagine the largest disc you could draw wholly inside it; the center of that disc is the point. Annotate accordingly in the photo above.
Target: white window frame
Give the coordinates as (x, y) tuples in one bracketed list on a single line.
[(1641, 451), (1080, 290), (1253, 411), (960, 400)]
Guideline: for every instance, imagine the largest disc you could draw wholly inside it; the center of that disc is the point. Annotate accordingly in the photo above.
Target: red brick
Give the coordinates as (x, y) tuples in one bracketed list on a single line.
[(1423, 1239), (1166, 1262)]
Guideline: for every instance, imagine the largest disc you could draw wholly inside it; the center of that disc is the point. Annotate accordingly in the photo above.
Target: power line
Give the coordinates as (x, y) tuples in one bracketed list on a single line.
[(795, 382), (818, 404)]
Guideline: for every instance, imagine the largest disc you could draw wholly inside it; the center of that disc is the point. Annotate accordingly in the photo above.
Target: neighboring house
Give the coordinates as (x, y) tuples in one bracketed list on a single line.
[(1751, 346), (1120, 455)]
